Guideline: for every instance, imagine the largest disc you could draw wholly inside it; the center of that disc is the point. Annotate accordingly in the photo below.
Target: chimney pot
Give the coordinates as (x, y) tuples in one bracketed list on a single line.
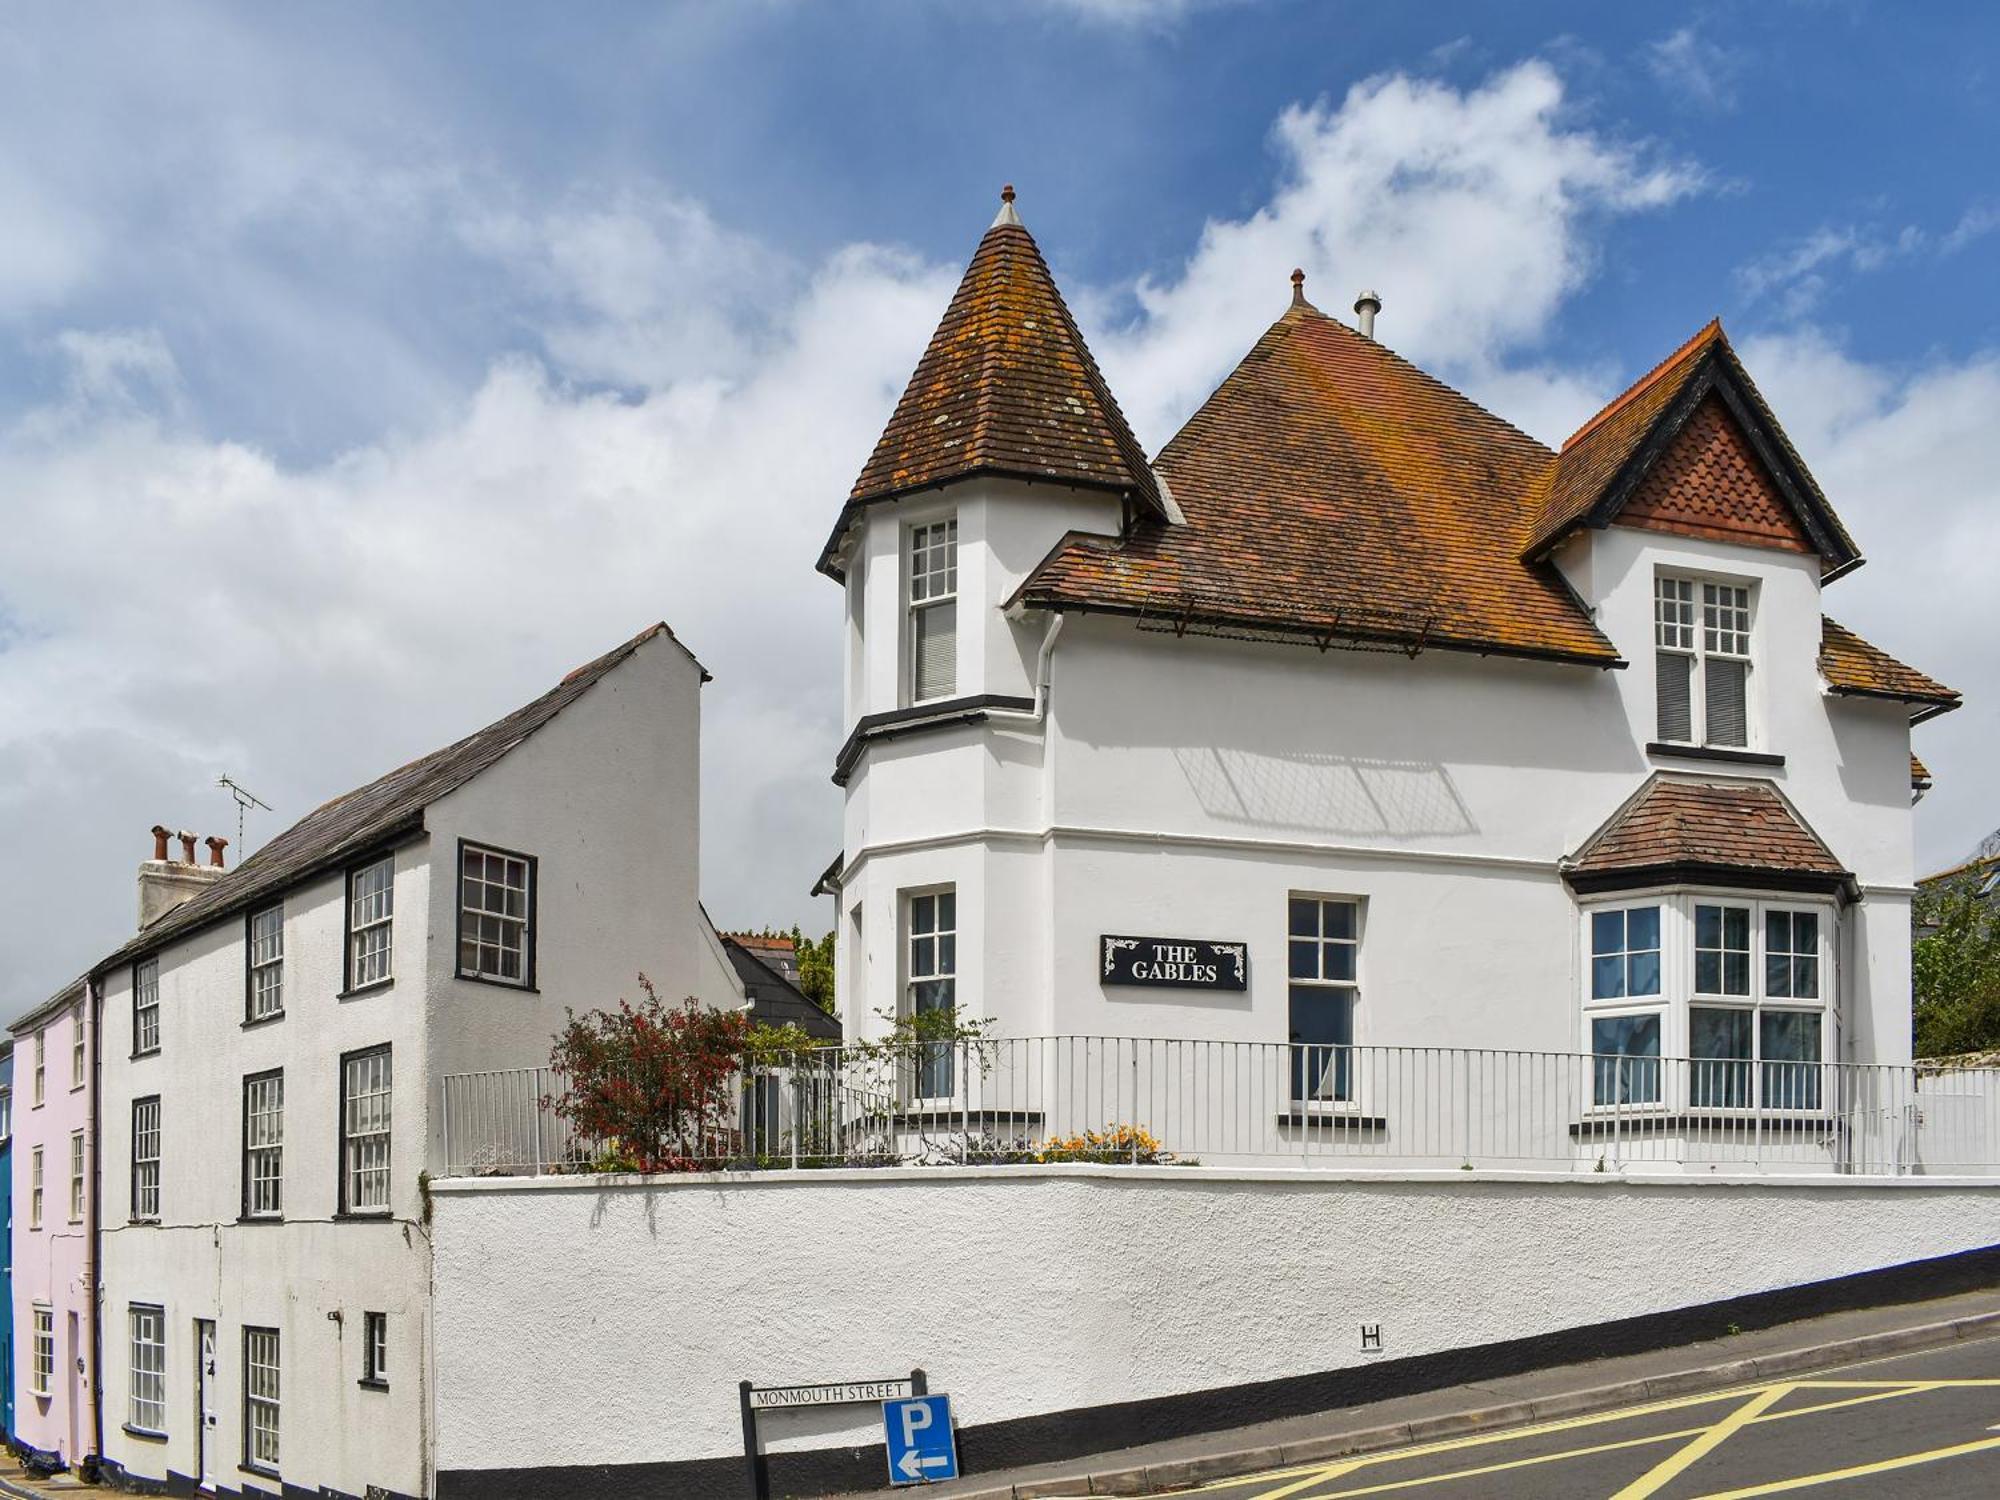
[(1365, 307), (215, 848), (187, 846), (160, 836)]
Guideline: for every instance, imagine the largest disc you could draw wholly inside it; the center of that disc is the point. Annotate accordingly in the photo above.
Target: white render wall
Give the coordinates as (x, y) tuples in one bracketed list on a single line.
[(200, 1261), (1068, 1287), (604, 796), (1185, 787)]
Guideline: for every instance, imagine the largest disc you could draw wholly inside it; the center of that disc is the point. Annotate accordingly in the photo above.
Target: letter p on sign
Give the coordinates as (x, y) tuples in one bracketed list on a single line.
[(919, 1439)]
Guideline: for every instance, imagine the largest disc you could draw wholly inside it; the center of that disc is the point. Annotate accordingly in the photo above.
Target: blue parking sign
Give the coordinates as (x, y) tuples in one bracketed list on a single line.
[(921, 1450)]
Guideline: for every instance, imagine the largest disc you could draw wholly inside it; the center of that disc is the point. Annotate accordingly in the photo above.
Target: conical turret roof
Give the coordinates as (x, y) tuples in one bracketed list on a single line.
[(1008, 387)]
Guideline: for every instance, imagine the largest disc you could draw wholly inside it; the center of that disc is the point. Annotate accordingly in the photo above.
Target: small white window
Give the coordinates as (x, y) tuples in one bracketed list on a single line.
[(264, 1146), (76, 1056), (933, 983), (35, 1189), (494, 908), (260, 1399), (146, 1007), (146, 1158), (41, 1066), (44, 1372), (267, 963), (933, 600), (1625, 1042), (371, 898), (76, 1177), (1702, 665), (149, 1368), (364, 1132), (6, 1114), (374, 1348)]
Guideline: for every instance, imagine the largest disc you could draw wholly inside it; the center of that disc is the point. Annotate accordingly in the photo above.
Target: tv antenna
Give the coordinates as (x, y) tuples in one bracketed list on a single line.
[(244, 802)]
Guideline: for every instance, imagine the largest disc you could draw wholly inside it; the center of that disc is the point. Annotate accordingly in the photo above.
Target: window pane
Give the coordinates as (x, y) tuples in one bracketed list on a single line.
[(1643, 974), (1304, 917), (1607, 978), (1719, 1041), (1322, 1033), (936, 644), (1725, 693), (1607, 932), (1788, 1041), (1337, 919), (1337, 961), (1642, 927), (1708, 927), (1672, 686), (1627, 1051), (1305, 960)]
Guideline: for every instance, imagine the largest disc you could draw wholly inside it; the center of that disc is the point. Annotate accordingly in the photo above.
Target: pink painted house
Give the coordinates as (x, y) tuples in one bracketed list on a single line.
[(54, 1220)]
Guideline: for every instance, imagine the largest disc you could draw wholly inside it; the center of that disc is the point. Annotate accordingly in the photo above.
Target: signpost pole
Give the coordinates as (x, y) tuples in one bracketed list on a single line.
[(760, 1485)]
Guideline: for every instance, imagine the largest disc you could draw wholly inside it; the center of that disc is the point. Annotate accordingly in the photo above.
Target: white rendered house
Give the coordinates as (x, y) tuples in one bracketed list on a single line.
[(1357, 716), (272, 1055)]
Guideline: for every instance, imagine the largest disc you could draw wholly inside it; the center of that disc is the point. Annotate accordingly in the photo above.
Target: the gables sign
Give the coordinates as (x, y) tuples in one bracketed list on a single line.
[(1175, 963)]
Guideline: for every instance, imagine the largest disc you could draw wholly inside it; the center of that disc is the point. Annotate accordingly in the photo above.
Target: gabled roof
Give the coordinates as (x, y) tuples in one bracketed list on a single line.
[(1920, 775), (1007, 386), (1604, 461), (774, 999), (1334, 492), (387, 809), (1741, 833), (1854, 668)]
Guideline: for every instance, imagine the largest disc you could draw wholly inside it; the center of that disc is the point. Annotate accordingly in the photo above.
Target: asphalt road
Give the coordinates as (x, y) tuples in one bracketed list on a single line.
[(1920, 1426)]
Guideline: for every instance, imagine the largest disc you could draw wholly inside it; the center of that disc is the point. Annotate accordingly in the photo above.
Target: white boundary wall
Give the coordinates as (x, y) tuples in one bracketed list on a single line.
[(608, 1320)]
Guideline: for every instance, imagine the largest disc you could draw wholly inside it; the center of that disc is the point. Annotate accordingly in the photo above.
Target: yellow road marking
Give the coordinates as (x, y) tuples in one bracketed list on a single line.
[(1859, 1471), (1347, 1466), (1670, 1467)]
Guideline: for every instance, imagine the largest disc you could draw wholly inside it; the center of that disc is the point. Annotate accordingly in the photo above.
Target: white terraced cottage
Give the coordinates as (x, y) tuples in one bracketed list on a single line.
[(272, 1050), (1358, 719)]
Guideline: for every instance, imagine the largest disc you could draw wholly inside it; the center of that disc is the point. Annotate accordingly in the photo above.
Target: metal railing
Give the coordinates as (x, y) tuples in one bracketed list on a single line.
[(1155, 1100)]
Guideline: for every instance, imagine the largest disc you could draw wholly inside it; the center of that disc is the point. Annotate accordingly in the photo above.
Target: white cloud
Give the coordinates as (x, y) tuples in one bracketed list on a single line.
[(1696, 70), (1388, 190), (1797, 275)]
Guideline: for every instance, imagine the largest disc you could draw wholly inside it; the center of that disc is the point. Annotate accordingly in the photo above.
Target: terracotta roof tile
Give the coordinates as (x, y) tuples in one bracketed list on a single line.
[(1920, 774), (1333, 489), (1851, 665), (1743, 828), (1008, 386), (1598, 459)]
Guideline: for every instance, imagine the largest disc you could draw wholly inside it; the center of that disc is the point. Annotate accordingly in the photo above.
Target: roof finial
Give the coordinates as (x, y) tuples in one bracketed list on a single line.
[(1006, 214), (1298, 287)]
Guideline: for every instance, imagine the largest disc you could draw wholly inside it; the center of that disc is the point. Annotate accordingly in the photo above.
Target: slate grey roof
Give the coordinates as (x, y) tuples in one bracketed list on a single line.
[(386, 809), (774, 999)]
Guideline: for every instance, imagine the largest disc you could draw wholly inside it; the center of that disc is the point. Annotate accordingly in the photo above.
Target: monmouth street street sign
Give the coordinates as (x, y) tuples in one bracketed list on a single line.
[(1174, 963)]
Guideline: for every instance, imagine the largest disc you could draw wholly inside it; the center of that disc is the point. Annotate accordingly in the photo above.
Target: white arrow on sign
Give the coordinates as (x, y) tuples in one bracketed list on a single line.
[(912, 1464)]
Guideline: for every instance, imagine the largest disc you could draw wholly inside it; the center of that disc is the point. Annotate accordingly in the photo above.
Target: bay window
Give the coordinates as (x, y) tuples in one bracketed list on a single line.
[(1701, 636), (1739, 986)]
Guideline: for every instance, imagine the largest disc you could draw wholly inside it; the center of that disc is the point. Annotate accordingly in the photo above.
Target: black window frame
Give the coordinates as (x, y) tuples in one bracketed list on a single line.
[(354, 868), (249, 1462), (158, 1030), (244, 1215), (529, 933), (342, 1209), (250, 1017), (159, 1162)]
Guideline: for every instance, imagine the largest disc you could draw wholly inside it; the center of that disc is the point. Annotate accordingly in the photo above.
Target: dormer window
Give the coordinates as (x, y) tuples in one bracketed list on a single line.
[(1701, 629), (933, 605)]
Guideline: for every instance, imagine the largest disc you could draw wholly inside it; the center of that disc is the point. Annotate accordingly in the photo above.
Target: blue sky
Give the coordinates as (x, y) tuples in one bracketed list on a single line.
[(327, 334)]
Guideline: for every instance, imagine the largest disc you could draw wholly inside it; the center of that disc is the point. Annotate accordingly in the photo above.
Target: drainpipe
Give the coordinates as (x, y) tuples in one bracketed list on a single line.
[(1042, 660), (94, 1009)]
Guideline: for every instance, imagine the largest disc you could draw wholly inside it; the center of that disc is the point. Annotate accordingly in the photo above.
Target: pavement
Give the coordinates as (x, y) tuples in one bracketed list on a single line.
[(1593, 1429)]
